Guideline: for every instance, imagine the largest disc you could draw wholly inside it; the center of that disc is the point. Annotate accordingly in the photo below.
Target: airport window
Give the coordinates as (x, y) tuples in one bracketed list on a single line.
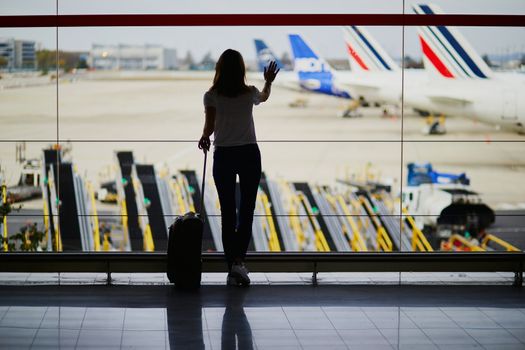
[(376, 138)]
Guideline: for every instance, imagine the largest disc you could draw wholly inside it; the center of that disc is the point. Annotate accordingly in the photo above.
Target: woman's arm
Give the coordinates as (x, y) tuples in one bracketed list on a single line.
[(209, 124), (209, 127), (265, 93), (270, 73)]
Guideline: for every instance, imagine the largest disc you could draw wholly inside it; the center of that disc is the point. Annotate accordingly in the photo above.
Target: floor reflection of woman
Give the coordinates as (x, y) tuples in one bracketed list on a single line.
[(236, 330)]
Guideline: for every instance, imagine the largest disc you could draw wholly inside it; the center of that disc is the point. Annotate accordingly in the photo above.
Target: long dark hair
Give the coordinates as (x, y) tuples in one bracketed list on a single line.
[(230, 74)]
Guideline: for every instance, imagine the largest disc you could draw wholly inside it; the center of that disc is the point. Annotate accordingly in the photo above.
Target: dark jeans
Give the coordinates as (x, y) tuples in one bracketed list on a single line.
[(228, 162)]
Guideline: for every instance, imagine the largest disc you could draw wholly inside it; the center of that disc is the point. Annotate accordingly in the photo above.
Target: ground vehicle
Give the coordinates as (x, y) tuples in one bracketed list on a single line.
[(443, 204), (28, 186), (107, 192)]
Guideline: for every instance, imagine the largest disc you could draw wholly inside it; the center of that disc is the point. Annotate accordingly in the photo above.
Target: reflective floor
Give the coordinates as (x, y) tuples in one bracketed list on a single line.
[(338, 278), (262, 317)]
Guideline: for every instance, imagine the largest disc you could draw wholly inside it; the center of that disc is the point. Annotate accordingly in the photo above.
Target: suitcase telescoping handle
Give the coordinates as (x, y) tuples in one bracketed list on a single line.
[(203, 183)]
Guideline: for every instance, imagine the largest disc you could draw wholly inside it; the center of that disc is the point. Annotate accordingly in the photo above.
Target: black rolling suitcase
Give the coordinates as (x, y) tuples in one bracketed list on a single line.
[(185, 246)]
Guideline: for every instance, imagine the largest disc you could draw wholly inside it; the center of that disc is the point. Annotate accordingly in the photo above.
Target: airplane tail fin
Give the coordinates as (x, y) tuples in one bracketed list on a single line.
[(365, 53), (315, 74), (448, 51), (306, 60), (265, 55)]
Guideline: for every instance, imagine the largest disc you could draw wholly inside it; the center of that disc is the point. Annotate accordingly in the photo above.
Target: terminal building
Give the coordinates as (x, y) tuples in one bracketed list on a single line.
[(366, 234), (18, 54), (132, 57)]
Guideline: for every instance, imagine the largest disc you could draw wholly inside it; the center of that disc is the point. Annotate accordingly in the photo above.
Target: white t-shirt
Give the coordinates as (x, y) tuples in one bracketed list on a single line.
[(233, 118)]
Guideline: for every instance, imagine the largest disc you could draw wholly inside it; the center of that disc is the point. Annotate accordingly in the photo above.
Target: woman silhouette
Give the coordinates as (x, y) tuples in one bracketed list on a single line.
[(228, 108)]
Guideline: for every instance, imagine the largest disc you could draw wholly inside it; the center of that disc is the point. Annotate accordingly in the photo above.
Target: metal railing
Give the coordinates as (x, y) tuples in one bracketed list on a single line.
[(274, 262), (457, 241), (419, 241), (489, 238)]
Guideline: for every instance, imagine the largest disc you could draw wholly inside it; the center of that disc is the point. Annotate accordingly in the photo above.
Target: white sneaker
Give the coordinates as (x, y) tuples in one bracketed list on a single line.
[(240, 273)]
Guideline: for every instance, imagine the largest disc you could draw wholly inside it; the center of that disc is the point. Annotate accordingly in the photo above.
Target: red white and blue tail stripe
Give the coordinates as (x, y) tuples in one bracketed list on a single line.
[(365, 54), (447, 51)]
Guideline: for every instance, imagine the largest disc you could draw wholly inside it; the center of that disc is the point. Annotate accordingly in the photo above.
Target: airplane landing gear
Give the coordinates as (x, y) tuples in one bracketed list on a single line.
[(299, 103), (351, 111), (436, 127)]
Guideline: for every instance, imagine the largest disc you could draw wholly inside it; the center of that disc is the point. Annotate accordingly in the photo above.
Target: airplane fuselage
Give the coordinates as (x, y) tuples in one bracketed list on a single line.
[(498, 101)]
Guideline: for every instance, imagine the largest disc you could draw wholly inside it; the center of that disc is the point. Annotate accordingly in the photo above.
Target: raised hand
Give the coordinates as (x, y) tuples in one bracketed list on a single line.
[(270, 72)]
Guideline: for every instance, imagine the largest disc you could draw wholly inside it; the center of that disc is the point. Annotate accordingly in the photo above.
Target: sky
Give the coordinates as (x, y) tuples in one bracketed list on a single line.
[(200, 40)]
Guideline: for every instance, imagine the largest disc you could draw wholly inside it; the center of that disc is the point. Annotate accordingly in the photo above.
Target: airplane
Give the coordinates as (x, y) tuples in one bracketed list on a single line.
[(265, 55), (461, 83), (447, 56), (286, 78), (381, 82), (383, 86), (374, 75), (377, 78), (312, 69), (315, 83), (319, 81), (365, 53), (313, 72)]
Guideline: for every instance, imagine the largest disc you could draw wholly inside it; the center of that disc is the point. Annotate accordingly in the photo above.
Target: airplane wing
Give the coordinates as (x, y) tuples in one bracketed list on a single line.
[(362, 86), (449, 100)]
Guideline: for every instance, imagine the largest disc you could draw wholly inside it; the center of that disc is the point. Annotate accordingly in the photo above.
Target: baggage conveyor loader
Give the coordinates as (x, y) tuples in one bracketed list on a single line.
[(263, 213), (272, 201), (208, 242), (328, 214), (154, 205), (50, 159), (304, 221), (350, 231), (384, 243), (133, 235), (310, 200), (74, 214)]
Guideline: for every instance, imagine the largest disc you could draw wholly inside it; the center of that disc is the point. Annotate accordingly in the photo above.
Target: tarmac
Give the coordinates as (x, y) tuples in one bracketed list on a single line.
[(160, 120)]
